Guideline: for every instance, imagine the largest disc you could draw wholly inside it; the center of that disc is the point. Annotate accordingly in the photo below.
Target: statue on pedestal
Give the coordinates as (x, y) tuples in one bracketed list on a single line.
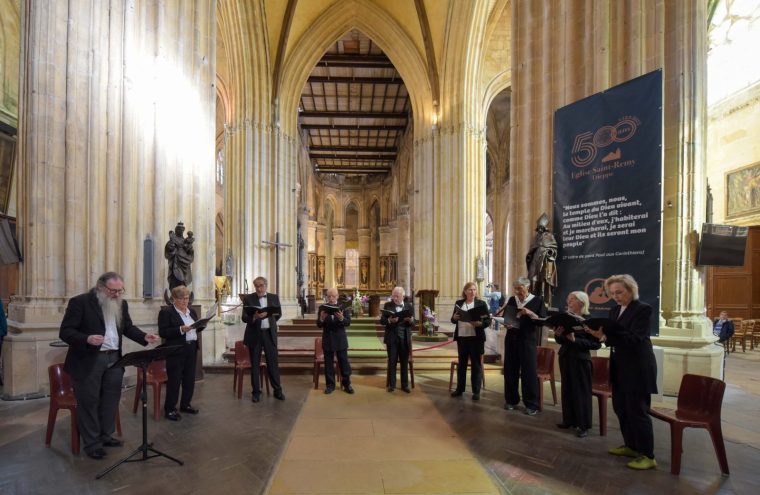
[(541, 261), (179, 252)]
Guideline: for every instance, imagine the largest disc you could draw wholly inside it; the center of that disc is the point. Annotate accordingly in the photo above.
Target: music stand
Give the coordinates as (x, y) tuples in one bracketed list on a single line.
[(142, 359)]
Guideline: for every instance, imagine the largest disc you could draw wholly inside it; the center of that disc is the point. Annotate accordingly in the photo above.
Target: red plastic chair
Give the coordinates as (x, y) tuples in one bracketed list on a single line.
[(700, 399), (601, 389), (62, 397), (454, 366), (243, 363), (156, 377), (545, 371)]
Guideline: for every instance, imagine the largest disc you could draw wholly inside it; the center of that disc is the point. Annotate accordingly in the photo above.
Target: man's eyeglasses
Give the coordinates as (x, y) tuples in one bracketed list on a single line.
[(115, 292), (258, 286)]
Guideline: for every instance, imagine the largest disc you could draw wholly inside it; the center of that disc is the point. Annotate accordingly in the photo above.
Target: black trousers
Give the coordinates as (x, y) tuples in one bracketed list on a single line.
[(345, 368), (520, 367), (98, 397), (469, 349), (632, 409), (180, 370), (576, 391), (398, 350), (271, 357)]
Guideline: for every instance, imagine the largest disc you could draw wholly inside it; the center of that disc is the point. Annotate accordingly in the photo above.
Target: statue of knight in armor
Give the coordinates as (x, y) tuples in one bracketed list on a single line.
[(542, 261)]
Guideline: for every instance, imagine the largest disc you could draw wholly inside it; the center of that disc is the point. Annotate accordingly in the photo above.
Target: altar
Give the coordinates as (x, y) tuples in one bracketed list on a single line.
[(375, 297)]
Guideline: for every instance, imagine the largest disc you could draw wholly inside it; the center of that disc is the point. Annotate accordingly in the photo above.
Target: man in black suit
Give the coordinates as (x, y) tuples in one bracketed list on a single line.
[(175, 326), (397, 337), (335, 343), (93, 327), (261, 333)]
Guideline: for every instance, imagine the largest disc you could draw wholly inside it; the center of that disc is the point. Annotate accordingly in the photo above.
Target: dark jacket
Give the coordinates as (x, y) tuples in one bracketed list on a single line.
[(334, 336), (390, 328), (169, 323), (632, 362), (579, 349), (480, 332), (83, 318), (527, 328), (253, 327), (726, 331)]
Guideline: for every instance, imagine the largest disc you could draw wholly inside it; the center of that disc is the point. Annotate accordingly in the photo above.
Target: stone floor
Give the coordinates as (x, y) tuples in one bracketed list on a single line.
[(235, 446)]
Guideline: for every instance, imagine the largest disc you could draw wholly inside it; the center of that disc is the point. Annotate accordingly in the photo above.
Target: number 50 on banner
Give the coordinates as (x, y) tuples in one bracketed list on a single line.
[(587, 144)]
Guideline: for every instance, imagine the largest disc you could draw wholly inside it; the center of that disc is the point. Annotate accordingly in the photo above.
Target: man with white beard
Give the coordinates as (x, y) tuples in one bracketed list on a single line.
[(93, 327)]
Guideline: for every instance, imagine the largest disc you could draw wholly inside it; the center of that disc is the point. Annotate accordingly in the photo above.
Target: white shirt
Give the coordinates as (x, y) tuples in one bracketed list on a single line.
[(622, 308), (263, 304), (465, 327), (187, 320), (111, 338)]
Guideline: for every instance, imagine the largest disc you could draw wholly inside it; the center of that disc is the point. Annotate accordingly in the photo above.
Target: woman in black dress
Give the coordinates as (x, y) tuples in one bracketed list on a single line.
[(471, 339), (520, 361), (575, 366), (633, 370)]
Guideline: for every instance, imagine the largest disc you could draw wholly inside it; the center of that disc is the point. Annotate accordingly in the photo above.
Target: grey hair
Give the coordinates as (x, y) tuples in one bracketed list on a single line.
[(583, 298), (399, 288), (103, 279), (521, 282)]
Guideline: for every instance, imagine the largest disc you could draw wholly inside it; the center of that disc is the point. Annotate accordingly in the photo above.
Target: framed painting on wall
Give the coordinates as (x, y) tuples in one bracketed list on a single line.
[(7, 160), (743, 191)]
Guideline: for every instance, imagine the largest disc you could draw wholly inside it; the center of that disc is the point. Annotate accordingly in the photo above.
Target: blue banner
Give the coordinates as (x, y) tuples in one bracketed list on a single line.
[(608, 192)]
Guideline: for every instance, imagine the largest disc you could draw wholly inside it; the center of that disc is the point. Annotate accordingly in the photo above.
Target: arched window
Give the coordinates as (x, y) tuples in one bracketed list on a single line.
[(352, 268)]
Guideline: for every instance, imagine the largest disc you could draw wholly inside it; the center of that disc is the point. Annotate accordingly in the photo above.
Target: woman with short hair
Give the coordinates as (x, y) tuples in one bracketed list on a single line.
[(633, 370), (575, 367), (174, 325), (470, 337), (520, 360)]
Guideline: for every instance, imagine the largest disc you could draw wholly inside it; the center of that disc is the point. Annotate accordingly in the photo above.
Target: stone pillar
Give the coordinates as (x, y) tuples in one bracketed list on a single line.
[(339, 256), (404, 249), (116, 129), (321, 261)]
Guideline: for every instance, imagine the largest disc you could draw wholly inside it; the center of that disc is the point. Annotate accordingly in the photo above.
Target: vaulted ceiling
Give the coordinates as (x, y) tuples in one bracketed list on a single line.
[(354, 109)]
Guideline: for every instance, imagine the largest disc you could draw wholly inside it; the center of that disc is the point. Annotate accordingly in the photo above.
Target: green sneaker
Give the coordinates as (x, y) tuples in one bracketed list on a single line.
[(624, 451), (642, 463)]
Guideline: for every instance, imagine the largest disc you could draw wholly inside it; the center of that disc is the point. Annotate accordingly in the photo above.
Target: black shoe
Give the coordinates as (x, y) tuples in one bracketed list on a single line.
[(348, 389), (96, 454), (255, 397), (390, 389), (510, 407), (173, 416), (189, 409), (113, 442), (329, 390), (581, 433), (457, 393), (564, 426), (279, 395), (531, 412), (475, 396), (406, 389)]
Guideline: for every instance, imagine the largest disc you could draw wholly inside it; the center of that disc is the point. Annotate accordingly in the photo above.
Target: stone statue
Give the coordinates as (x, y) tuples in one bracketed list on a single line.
[(179, 252), (541, 261), (364, 272)]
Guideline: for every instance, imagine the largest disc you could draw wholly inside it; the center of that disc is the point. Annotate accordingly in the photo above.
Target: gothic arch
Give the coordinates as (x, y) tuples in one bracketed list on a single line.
[(380, 26)]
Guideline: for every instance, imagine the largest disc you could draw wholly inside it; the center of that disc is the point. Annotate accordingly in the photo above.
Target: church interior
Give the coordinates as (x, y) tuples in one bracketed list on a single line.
[(362, 145)]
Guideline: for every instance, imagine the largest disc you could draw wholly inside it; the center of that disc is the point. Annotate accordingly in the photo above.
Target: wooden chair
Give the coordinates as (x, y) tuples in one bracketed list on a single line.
[(545, 369), (700, 399), (454, 366), (243, 363), (156, 378), (741, 333), (62, 397), (755, 338), (601, 389)]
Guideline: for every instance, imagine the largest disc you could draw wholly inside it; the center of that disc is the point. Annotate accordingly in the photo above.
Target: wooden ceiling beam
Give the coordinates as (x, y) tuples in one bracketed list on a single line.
[(355, 80), (354, 127), (353, 115), (354, 157), (354, 149)]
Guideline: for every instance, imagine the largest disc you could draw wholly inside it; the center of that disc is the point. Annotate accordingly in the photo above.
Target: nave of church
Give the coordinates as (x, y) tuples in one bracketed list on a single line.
[(374, 442)]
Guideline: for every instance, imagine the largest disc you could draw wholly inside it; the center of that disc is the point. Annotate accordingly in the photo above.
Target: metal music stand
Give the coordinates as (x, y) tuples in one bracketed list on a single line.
[(142, 359)]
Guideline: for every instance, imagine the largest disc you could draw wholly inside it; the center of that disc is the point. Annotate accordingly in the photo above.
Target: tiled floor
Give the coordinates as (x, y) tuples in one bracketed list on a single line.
[(375, 442)]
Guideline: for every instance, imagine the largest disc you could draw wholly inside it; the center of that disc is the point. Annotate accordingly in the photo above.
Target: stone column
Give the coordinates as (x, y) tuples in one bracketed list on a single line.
[(321, 261), (116, 134), (404, 249), (339, 254)]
